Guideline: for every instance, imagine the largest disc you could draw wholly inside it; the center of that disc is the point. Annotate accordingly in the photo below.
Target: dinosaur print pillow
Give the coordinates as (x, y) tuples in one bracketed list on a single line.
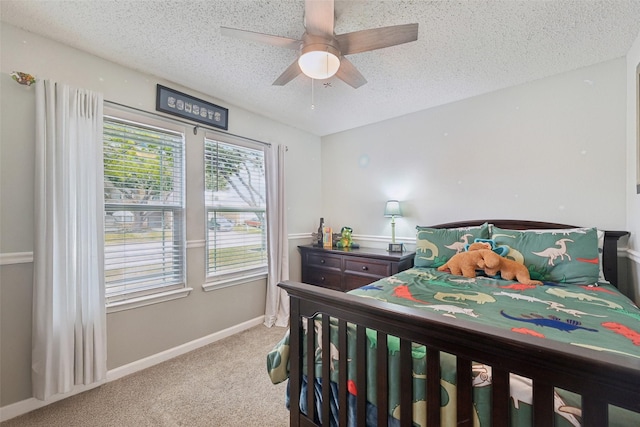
[(434, 246), (563, 256)]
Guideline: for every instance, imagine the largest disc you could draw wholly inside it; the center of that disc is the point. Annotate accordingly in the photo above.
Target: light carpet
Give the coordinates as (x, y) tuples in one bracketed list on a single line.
[(224, 384)]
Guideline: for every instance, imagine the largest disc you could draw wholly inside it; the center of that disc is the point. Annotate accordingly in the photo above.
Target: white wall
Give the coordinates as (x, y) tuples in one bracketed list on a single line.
[(133, 335), (633, 163), (550, 150)]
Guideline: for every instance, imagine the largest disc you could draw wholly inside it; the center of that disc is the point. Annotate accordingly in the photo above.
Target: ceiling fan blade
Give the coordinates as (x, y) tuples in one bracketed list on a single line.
[(319, 17), (377, 38), (289, 74), (261, 38), (349, 74)]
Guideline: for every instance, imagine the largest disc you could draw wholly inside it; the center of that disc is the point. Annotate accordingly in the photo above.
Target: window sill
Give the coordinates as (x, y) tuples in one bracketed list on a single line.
[(147, 300), (219, 284)]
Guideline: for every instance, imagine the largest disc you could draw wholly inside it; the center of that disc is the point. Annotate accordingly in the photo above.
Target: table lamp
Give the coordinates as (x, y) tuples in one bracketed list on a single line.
[(392, 209)]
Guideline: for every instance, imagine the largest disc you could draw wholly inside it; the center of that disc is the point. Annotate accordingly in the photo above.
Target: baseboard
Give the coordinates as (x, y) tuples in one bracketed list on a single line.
[(19, 408), (31, 404)]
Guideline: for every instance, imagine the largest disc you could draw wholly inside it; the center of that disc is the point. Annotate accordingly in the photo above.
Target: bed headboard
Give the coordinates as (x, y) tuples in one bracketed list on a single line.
[(609, 250)]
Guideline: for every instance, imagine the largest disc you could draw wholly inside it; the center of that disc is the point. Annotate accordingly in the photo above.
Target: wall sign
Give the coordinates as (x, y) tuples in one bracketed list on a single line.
[(180, 104)]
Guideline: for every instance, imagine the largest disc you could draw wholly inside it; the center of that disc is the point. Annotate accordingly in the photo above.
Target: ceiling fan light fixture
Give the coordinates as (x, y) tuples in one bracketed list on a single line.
[(319, 64)]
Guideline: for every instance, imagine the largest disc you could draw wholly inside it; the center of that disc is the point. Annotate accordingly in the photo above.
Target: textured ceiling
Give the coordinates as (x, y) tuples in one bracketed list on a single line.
[(464, 48)]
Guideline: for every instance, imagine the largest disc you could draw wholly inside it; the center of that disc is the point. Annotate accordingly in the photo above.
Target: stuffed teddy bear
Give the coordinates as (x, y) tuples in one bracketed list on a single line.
[(508, 269), (479, 244), (511, 270), (466, 263)]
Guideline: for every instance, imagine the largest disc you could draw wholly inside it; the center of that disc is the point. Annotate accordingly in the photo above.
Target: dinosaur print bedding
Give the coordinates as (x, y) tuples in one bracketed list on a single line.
[(585, 316)]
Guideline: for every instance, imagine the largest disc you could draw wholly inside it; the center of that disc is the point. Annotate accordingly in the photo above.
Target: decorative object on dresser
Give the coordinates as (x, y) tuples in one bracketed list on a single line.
[(327, 237), (345, 240), (392, 210), (318, 237), (346, 269)]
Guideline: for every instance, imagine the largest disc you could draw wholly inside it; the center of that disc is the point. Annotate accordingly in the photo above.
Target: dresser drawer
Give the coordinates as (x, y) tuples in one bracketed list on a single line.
[(358, 265), (324, 260), (325, 278)]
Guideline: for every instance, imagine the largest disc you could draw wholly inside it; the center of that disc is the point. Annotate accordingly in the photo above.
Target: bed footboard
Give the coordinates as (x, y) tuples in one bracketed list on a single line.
[(600, 379)]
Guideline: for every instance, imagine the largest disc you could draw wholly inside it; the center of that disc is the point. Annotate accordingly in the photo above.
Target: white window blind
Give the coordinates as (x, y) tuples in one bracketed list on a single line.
[(235, 202), (144, 209)]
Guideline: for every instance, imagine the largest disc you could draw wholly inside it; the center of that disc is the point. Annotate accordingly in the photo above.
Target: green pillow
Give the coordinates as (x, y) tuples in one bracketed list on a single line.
[(434, 246), (561, 256)]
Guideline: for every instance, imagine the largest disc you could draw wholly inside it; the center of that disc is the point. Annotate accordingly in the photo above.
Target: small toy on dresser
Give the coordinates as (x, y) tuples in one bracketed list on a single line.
[(345, 240)]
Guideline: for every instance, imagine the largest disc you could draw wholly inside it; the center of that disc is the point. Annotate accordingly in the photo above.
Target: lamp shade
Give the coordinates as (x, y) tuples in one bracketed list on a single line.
[(319, 64), (392, 209)]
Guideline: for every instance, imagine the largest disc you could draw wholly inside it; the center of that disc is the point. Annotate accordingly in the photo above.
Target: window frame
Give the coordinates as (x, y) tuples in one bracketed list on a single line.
[(241, 275), (178, 289)]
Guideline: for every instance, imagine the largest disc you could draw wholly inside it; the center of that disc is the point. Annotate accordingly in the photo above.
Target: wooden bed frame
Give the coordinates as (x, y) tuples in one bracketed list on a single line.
[(601, 379)]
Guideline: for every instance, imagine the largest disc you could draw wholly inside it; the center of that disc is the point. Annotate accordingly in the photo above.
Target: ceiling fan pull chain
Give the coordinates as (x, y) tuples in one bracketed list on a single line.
[(313, 105)]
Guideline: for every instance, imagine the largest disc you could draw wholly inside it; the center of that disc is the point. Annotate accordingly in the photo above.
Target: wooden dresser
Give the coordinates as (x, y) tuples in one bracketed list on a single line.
[(346, 269)]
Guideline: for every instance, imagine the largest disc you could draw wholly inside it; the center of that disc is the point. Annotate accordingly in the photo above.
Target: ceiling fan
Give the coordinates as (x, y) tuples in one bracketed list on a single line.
[(322, 51)]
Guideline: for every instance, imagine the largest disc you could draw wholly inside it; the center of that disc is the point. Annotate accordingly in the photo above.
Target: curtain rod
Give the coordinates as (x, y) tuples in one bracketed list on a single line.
[(195, 126)]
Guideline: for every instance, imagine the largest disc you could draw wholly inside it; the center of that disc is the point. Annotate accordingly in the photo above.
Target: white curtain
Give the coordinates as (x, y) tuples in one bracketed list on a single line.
[(69, 317), (277, 308)]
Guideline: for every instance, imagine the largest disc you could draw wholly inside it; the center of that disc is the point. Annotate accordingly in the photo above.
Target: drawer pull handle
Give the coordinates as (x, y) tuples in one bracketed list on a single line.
[(365, 268), (322, 279), (321, 261)]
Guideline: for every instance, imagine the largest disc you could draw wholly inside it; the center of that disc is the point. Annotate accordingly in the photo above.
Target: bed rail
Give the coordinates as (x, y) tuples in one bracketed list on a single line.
[(601, 379)]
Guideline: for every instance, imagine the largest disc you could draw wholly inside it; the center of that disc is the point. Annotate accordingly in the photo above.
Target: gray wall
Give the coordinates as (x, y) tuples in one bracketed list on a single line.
[(553, 149), (633, 166), (142, 332)]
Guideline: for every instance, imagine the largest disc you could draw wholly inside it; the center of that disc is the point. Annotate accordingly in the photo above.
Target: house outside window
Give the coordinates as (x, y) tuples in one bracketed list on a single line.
[(235, 203), (144, 210)]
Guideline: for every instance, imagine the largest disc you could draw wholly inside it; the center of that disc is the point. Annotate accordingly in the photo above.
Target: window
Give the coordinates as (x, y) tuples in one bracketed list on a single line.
[(235, 203), (144, 210)]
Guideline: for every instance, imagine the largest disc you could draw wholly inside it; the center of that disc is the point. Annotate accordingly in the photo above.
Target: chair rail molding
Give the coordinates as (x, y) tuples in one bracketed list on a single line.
[(10, 258), (16, 258)]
